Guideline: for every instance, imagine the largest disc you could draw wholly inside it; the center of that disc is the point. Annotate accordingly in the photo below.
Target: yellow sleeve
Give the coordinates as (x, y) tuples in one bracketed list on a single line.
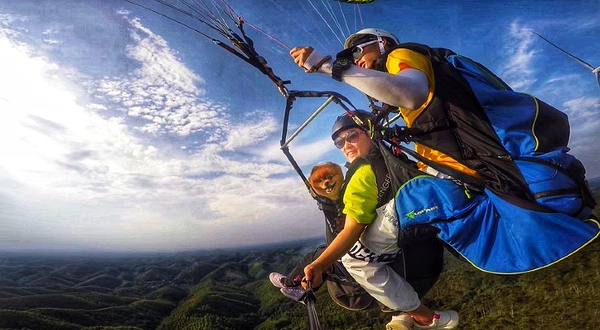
[(360, 197), (415, 60), (402, 58)]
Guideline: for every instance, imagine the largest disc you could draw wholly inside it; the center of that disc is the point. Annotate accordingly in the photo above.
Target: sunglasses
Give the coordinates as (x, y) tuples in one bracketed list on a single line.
[(350, 137), (358, 50)]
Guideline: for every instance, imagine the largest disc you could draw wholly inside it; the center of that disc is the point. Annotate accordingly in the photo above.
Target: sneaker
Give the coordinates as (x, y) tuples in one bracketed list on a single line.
[(277, 279), (401, 321), (441, 320), (294, 292)]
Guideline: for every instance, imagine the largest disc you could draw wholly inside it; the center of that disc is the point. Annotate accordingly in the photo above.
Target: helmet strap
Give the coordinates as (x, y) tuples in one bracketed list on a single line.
[(380, 43)]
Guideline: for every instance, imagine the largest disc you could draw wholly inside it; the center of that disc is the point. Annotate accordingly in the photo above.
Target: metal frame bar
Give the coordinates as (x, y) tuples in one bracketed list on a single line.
[(303, 126)]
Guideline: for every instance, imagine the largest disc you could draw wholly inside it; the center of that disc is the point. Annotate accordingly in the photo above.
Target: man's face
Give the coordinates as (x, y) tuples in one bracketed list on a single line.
[(356, 143), (369, 55)]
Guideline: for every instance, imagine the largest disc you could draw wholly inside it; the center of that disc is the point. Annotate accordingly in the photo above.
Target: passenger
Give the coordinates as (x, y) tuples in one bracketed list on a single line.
[(369, 240)]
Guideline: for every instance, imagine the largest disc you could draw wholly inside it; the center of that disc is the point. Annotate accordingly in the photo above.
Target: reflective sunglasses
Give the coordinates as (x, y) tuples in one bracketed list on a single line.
[(357, 51), (350, 137)]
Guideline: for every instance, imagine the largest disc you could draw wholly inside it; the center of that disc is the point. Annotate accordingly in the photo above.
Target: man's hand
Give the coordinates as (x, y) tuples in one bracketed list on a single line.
[(310, 60), (300, 54), (336, 249), (314, 274)]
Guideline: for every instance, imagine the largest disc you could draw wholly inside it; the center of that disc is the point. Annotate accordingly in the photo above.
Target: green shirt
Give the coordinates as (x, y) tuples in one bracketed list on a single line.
[(360, 198)]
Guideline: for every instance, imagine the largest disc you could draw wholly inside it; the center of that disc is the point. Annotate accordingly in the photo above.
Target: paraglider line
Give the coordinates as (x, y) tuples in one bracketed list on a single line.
[(362, 24), (301, 26), (309, 13), (268, 35), (345, 20), (324, 20), (584, 63), (172, 19), (355, 6), (334, 18)]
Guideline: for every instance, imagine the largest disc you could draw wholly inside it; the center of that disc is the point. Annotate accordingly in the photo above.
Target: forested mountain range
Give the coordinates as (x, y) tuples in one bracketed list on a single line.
[(230, 289)]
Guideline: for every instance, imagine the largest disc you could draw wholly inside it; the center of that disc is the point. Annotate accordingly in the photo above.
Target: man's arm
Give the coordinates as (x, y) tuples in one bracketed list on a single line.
[(338, 247), (407, 89)]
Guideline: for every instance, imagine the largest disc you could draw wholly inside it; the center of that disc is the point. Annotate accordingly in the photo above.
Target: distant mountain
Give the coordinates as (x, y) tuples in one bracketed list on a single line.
[(230, 290)]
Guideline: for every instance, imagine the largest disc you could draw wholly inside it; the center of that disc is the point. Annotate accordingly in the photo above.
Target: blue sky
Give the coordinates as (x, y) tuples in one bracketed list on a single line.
[(124, 131)]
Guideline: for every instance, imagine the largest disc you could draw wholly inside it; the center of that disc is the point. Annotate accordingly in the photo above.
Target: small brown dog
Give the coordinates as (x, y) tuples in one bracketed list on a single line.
[(327, 180)]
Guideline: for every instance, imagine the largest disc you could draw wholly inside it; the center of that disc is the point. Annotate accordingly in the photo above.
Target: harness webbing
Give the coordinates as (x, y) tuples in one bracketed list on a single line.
[(310, 299)]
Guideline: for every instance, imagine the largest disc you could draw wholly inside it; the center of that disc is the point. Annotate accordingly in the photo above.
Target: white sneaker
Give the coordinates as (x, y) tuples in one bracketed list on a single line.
[(294, 292), (402, 321), (277, 279), (441, 320)]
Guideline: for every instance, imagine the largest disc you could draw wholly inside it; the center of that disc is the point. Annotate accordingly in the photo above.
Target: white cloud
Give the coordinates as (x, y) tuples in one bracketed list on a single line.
[(583, 115), (96, 106), (518, 72), (123, 12), (304, 153), (584, 120), (52, 41), (565, 78), (253, 197), (257, 126), (6, 30), (71, 173), (209, 161), (163, 92)]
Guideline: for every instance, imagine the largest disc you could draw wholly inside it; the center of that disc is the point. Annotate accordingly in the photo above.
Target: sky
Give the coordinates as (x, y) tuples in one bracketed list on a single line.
[(124, 131)]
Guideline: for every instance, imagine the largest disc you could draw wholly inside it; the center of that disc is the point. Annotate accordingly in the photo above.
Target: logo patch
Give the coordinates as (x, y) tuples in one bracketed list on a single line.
[(412, 214)]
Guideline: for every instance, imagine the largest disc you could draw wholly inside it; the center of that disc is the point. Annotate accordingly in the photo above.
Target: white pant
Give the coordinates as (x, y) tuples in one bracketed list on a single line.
[(367, 262)]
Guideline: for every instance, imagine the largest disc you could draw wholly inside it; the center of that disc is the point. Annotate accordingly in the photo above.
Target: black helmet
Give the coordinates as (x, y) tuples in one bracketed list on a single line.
[(344, 121)]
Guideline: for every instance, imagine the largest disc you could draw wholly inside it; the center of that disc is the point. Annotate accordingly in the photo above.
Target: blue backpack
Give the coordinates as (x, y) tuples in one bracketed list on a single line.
[(536, 213), (535, 135), (514, 141), (492, 234)]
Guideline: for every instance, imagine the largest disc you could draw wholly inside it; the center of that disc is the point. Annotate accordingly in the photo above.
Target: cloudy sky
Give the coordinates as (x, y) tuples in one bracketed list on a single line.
[(122, 130)]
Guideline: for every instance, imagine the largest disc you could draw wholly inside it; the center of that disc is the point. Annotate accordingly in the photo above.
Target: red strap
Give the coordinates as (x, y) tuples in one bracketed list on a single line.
[(404, 66)]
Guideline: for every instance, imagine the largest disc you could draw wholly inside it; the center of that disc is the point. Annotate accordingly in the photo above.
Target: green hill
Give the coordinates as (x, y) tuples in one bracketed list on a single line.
[(27, 320), (231, 273), (102, 281), (168, 293), (37, 301), (230, 290), (214, 305), (195, 273), (51, 282)]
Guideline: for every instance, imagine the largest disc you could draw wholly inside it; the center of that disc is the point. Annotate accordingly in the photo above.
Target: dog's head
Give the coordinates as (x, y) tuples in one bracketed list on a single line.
[(326, 180)]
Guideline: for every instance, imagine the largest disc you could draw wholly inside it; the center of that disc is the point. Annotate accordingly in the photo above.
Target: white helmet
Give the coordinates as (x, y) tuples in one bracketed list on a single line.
[(352, 39)]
